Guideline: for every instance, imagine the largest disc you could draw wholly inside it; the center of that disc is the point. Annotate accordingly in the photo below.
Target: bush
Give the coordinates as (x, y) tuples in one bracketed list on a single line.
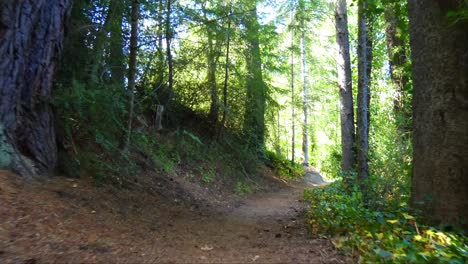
[(391, 235), (284, 167)]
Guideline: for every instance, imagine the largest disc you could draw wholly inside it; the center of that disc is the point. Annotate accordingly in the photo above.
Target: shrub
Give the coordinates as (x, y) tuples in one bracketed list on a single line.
[(391, 235)]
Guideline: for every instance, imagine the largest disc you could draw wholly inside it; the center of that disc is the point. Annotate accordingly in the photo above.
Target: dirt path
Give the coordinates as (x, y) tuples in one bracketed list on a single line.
[(264, 228)]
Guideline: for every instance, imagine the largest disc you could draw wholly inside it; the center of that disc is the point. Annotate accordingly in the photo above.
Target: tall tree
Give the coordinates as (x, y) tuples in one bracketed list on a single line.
[(255, 101), (305, 125), (116, 55), (440, 107), (364, 78), (345, 86), (132, 61), (396, 48), (293, 121), (26, 76), (226, 69), (211, 56)]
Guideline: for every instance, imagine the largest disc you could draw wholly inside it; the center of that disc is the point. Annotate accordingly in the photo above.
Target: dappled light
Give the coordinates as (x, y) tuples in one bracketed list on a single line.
[(240, 131)]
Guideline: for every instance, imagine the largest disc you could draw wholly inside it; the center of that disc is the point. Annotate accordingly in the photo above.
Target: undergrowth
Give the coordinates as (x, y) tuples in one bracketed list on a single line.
[(389, 234), (283, 166)]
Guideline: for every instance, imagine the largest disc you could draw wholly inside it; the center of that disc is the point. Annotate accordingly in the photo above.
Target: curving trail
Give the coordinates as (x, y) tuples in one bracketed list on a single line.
[(65, 227)]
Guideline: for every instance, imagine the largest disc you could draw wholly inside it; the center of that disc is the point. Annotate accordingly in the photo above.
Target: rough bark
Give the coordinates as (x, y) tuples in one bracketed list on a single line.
[(31, 36), (364, 76), (345, 87), (440, 107), (255, 101), (132, 60), (305, 126)]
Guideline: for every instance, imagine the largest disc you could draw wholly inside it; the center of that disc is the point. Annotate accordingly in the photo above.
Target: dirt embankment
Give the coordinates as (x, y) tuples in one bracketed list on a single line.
[(66, 220)]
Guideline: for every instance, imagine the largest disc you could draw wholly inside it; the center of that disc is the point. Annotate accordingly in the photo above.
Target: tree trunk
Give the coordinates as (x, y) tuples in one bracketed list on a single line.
[(31, 36), (345, 86), (117, 58), (170, 82), (255, 101), (293, 137), (364, 76), (440, 106), (132, 60), (226, 72), (396, 56), (211, 77), (305, 126)]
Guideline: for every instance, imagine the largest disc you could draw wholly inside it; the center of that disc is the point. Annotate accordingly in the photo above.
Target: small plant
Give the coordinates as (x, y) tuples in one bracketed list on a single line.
[(242, 188), (208, 176)]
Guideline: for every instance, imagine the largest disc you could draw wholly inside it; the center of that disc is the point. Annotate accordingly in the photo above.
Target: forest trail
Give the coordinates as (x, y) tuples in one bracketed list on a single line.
[(68, 221)]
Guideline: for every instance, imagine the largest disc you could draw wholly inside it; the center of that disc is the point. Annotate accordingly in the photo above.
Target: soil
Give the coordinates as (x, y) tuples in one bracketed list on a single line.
[(72, 220)]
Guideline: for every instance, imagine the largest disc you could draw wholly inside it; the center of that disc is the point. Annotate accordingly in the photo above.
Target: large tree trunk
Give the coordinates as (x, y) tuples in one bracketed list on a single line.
[(364, 76), (255, 101), (345, 85), (440, 107), (397, 56), (31, 36)]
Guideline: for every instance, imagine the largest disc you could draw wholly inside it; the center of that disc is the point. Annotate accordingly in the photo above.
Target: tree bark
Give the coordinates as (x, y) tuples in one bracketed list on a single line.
[(345, 87), (31, 37), (440, 106), (364, 76), (132, 60)]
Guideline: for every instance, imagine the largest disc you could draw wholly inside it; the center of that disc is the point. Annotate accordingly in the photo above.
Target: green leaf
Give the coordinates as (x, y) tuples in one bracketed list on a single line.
[(383, 253)]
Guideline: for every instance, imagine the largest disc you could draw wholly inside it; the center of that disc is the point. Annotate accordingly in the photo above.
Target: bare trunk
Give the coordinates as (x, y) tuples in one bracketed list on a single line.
[(211, 78), (117, 58), (169, 52), (255, 101), (305, 127), (31, 36), (293, 138), (345, 86), (226, 71), (132, 65), (440, 107), (364, 76)]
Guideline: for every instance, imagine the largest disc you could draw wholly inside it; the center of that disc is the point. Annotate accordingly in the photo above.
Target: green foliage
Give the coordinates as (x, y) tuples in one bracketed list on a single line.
[(242, 188), (390, 235), (284, 167)]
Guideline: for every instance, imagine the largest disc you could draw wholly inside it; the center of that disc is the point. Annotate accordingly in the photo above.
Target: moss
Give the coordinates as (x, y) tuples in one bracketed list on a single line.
[(5, 150)]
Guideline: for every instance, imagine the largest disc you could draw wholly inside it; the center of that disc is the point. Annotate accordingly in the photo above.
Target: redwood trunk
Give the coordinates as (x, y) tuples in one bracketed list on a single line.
[(440, 107), (31, 36)]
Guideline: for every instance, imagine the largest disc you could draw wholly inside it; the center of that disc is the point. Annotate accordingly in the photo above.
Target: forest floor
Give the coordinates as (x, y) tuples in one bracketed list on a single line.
[(72, 220)]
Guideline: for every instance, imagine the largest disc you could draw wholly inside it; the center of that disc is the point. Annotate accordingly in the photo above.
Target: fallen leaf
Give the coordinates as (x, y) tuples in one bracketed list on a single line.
[(206, 248)]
